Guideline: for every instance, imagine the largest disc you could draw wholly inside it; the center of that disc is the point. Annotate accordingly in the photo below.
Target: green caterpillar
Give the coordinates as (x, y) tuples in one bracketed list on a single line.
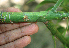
[(42, 16)]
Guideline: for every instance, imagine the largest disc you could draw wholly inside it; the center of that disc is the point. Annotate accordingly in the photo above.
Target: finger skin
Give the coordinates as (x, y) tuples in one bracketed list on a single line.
[(7, 27), (17, 33), (20, 43), (12, 9)]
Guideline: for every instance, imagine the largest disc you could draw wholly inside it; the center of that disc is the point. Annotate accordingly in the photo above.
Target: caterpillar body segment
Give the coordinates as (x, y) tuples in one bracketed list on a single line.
[(42, 16)]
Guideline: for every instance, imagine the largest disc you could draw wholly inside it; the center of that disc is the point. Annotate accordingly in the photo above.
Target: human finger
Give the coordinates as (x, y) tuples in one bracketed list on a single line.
[(19, 43), (17, 33)]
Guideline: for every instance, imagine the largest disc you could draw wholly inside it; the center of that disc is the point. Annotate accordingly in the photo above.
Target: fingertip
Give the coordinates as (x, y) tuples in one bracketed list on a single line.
[(13, 9), (30, 29), (19, 43), (24, 41), (35, 27)]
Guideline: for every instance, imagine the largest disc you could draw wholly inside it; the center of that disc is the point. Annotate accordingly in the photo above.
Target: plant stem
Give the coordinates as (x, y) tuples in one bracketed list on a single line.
[(54, 41)]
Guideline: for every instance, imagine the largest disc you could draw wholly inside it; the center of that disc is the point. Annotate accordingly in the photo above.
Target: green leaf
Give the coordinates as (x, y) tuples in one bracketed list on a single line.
[(42, 3), (29, 1), (67, 37), (65, 2), (66, 8), (61, 29), (50, 0), (49, 8)]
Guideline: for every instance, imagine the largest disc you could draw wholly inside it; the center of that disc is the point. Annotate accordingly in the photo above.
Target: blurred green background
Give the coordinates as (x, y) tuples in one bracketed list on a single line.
[(42, 39)]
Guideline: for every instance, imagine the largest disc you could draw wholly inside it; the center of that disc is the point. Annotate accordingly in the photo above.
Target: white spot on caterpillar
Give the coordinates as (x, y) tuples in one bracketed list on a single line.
[(63, 19), (27, 19), (61, 14), (6, 15), (64, 14), (44, 17), (11, 22), (1, 17)]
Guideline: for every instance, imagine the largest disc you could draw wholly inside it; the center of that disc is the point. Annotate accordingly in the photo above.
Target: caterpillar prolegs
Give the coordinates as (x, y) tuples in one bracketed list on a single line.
[(42, 16)]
